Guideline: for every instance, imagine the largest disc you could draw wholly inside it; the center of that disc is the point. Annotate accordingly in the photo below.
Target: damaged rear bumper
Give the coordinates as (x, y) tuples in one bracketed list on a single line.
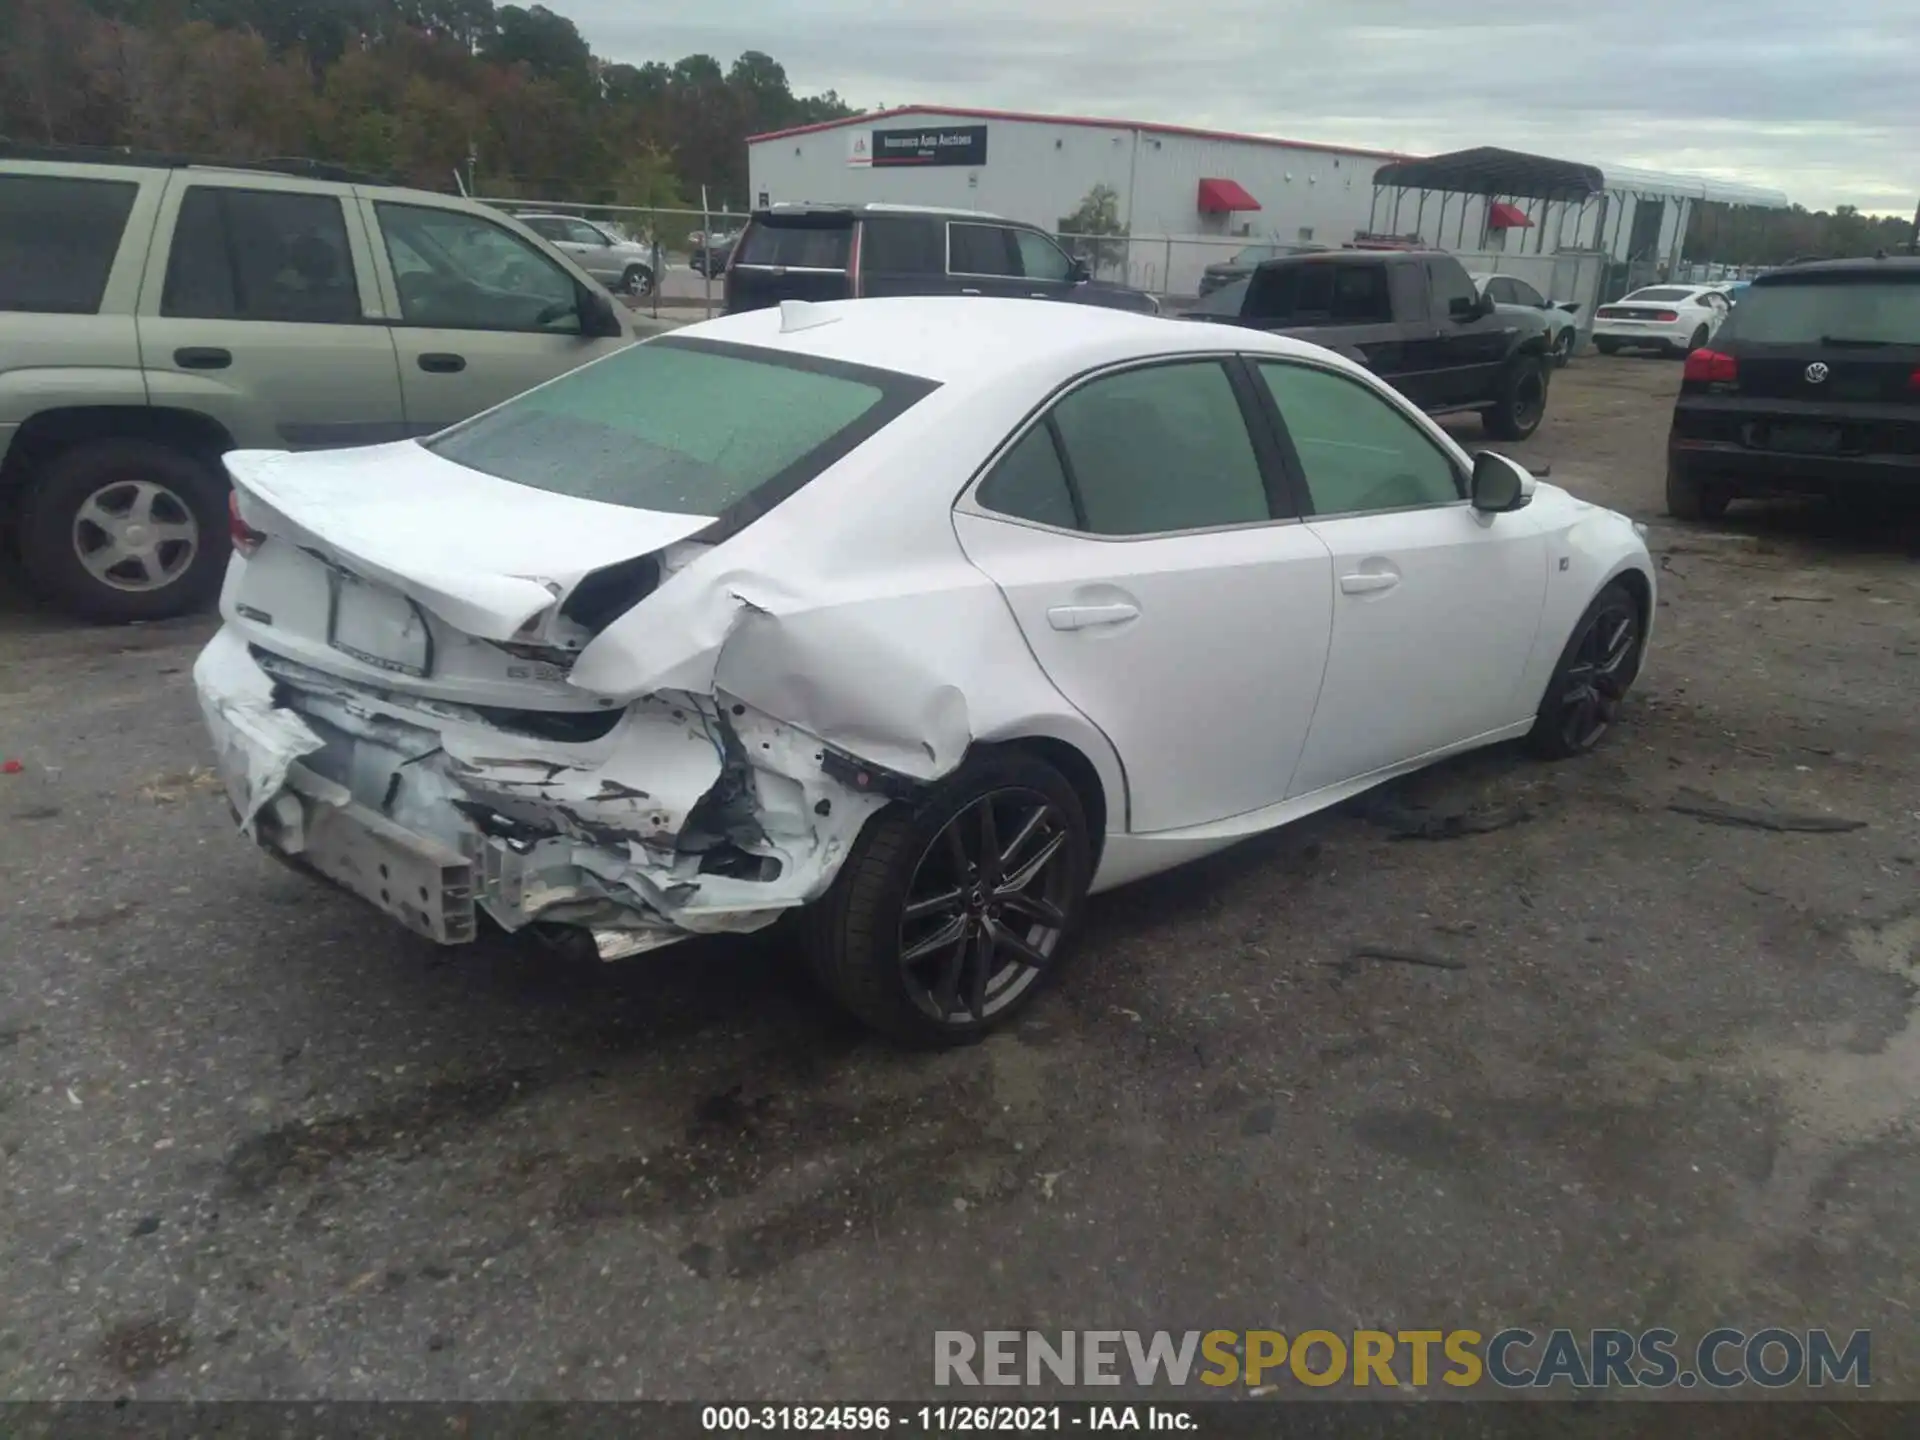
[(674, 816)]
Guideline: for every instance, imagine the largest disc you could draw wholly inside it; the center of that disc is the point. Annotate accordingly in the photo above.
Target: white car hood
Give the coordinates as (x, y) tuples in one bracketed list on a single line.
[(486, 555)]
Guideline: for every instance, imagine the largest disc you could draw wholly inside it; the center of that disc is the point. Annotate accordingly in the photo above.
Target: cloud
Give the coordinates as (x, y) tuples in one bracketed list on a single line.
[(1812, 98)]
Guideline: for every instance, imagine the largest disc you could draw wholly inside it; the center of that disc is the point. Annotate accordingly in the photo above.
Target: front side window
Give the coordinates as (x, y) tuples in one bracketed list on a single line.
[(1500, 290), (681, 426), (1453, 292), (1162, 448), (274, 255), (1525, 294), (582, 233), (1357, 452), (982, 250), (476, 275), (58, 239), (1040, 258)]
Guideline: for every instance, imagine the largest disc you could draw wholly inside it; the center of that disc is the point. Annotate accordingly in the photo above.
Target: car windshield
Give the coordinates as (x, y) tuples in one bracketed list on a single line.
[(681, 426), (1667, 296), (1254, 254), (1884, 312)]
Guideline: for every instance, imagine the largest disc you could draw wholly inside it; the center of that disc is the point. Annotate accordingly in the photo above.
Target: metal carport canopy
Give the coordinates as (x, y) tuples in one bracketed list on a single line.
[(1488, 171)]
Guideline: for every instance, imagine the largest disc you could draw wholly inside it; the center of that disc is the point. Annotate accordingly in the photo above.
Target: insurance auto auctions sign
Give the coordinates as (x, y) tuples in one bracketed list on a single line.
[(929, 145)]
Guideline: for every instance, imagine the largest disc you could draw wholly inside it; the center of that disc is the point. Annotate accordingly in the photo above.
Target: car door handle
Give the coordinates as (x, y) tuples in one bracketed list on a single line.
[(443, 364), (202, 357), (1367, 584), (1086, 617)]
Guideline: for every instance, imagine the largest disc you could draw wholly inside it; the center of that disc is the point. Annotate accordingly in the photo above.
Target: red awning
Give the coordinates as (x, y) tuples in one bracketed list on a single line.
[(1507, 217), (1222, 197)]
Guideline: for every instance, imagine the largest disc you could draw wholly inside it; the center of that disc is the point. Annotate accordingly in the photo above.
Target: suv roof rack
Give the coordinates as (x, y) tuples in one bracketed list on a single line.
[(295, 165)]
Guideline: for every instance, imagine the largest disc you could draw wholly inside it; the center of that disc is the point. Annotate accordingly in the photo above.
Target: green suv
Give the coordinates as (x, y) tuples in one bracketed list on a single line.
[(156, 313)]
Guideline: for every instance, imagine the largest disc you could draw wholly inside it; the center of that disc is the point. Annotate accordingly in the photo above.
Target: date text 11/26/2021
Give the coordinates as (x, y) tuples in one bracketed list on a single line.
[(945, 1419)]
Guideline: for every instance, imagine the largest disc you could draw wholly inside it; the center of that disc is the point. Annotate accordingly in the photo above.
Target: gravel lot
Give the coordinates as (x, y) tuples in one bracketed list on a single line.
[(255, 1141)]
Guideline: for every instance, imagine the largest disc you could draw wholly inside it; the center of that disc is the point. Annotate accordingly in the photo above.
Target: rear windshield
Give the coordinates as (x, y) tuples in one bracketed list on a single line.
[(801, 245), (686, 426), (1665, 296), (1882, 312), (1254, 254)]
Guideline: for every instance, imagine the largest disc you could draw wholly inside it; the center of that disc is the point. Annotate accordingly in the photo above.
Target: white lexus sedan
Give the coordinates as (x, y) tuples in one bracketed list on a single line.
[(928, 617), (1673, 319)]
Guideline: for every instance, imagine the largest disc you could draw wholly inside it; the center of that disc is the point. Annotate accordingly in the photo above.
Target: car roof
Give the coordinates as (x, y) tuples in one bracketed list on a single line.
[(956, 339), (873, 207), (1900, 267)]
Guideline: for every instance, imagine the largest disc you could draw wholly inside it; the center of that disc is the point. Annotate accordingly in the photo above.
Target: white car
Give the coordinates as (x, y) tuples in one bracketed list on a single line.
[(930, 615), (1563, 323), (1673, 319)]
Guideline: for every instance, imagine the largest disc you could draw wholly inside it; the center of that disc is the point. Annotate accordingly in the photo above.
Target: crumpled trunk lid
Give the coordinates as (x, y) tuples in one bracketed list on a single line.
[(486, 555)]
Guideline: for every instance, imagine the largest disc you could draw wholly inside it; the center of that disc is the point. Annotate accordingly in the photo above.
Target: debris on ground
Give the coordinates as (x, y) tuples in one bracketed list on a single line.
[(1406, 822), (11, 767), (171, 789), (1350, 964), (1714, 811)]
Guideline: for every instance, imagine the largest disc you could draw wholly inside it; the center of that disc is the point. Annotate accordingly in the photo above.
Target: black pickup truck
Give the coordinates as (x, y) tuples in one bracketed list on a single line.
[(1414, 318)]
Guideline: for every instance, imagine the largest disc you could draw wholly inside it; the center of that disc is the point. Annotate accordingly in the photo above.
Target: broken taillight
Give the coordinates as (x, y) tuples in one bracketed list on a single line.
[(245, 538)]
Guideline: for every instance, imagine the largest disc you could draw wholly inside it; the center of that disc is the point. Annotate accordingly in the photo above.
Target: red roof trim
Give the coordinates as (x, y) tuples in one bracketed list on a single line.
[(1093, 122)]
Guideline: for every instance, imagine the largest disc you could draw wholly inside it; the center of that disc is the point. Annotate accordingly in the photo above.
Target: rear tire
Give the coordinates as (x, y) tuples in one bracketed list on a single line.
[(1607, 347), (1523, 400), (859, 934), (1691, 498), (1595, 672), (68, 555)]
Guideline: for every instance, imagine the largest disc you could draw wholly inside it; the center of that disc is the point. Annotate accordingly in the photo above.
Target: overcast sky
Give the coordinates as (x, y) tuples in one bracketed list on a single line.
[(1815, 97)]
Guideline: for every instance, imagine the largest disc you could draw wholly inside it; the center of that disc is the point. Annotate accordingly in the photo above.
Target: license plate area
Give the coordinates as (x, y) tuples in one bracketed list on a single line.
[(377, 626), (1798, 439)]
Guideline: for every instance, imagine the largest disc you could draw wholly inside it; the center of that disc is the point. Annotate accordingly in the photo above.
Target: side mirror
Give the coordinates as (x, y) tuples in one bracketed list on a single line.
[(1078, 273), (1500, 485), (597, 318)]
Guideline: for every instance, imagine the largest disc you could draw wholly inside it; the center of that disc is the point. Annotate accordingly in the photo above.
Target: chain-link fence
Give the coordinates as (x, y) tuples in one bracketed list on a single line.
[(686, 250), (1173, 267)]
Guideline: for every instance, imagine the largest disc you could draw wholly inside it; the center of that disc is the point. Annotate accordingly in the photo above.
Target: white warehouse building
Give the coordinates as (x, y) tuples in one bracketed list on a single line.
[(1188, 198)]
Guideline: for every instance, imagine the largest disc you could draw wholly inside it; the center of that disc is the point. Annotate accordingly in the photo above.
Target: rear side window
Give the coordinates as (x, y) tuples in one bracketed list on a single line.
[(1030, 483), (260, 255), (58, 238), (797, 245), (1864, 310), (1360, 295), (982, 250), (903, 245), (682, 426), (1163, 448)]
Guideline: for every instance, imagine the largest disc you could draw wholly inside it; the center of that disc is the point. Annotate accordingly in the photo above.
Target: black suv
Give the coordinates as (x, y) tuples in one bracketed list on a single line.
[(1811, 386), (846, 252)]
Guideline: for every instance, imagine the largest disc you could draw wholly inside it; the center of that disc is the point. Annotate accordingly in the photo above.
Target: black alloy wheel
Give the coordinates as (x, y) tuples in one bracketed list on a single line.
[(1595, 672)]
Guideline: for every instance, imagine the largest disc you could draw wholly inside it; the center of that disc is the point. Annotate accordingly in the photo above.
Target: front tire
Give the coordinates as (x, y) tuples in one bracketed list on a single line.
[(953, 911), (1523, 400), (1691, 498), (638, 281), (1594, 674), (125, 530)]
